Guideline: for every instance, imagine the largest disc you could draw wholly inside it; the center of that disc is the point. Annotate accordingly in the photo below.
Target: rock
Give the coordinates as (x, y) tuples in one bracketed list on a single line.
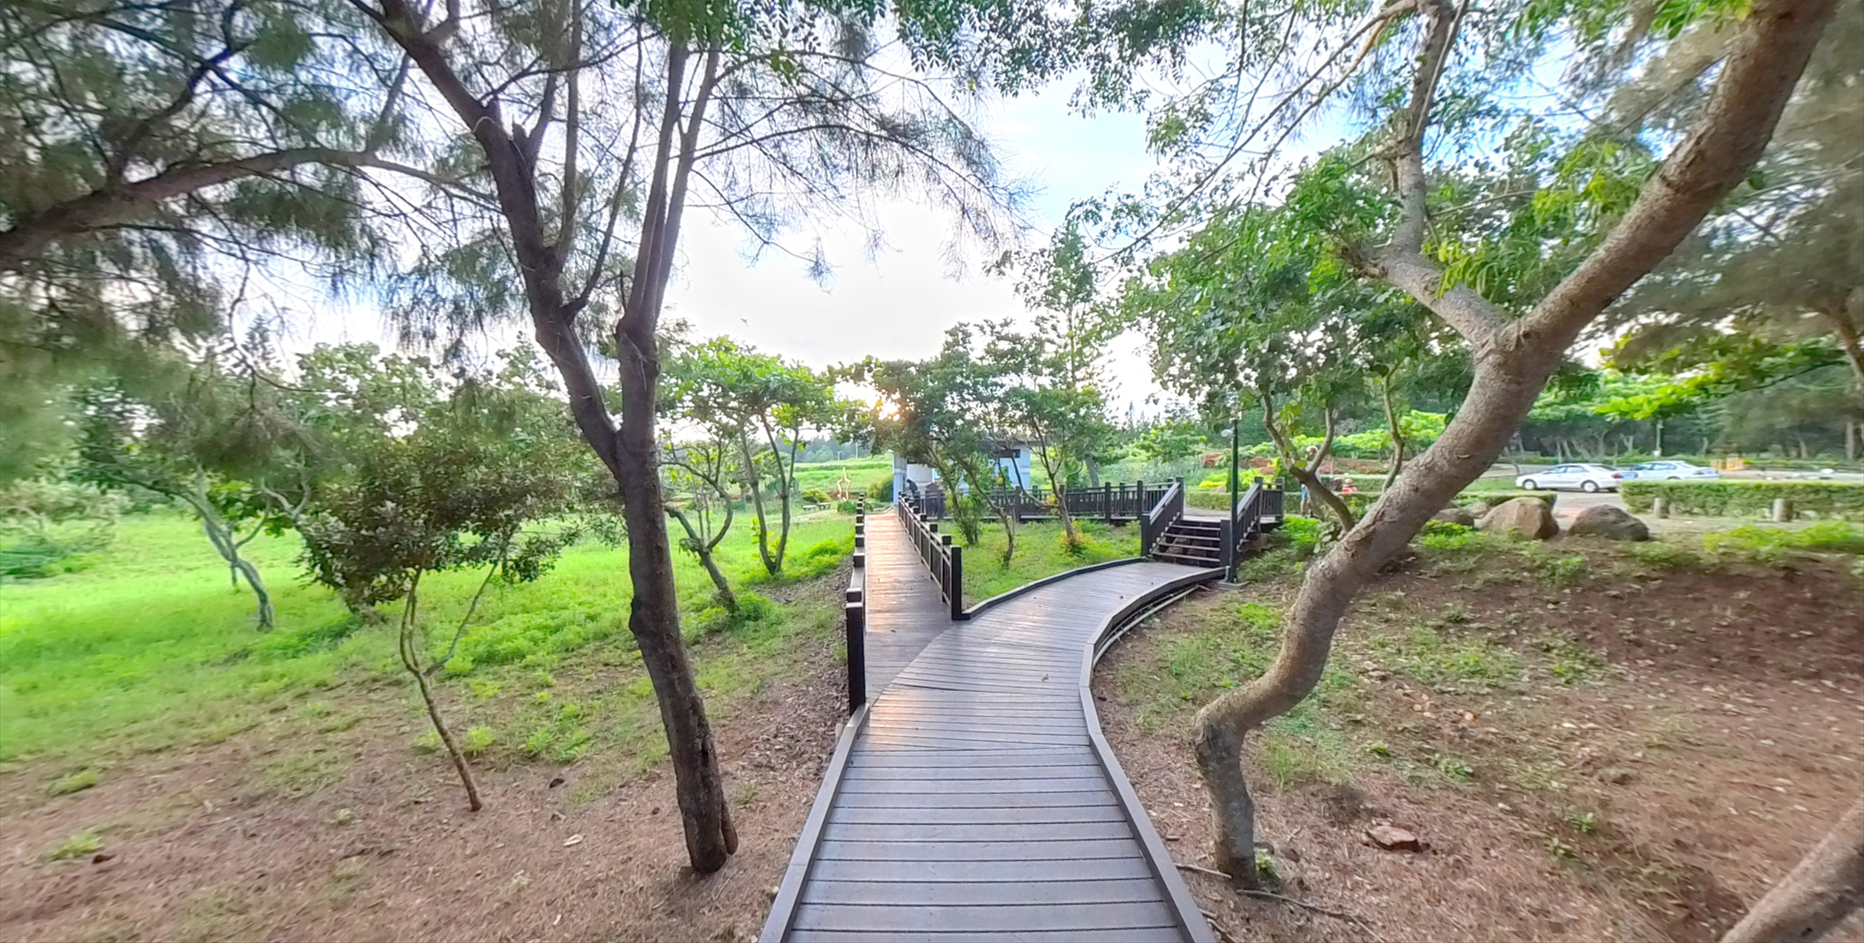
[(1392, 838), (1455, 516), (1521, 517), (1618, 776), (1609, 522), (1478, 509)]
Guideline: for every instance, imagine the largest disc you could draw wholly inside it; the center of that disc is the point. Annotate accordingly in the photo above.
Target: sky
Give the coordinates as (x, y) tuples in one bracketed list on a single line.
[(895, 304), (898, 303)]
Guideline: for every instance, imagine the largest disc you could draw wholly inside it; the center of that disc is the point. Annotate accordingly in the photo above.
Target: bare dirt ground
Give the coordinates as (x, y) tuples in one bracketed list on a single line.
[(1713, 728), (218, 845)]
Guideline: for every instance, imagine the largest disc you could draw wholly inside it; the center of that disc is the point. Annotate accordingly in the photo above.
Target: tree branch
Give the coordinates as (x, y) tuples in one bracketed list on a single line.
[(1728, 137)]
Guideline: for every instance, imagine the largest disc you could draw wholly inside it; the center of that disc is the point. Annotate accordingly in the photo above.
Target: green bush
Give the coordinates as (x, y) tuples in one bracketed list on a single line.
[(820, 558), (1827, 537), (1725, 498), (1445, 535), (880, 491)]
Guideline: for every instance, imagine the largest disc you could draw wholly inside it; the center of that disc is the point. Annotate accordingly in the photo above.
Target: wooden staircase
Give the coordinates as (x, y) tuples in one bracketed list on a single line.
[(1191, 542)]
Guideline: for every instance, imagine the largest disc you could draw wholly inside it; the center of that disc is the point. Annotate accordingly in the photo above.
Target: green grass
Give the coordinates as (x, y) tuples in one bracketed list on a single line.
[(80, 845), (1039, 553), (862, 472), (1769, 543), (152, 649), (1234, 643)]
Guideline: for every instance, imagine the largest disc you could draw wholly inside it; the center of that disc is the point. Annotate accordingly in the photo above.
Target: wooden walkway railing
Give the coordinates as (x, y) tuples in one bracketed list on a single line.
[(1112, 503), (942, 559)]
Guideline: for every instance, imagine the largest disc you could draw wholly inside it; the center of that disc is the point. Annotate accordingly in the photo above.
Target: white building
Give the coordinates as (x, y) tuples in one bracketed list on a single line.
[(1013, 458)]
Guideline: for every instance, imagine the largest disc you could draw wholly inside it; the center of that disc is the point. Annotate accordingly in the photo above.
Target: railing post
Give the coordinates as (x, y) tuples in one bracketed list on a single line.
[(857, 654), (943, 551), (1229, 550), (957, 583)]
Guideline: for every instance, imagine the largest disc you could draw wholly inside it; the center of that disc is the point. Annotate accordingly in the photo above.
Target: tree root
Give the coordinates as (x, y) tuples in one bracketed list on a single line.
[(1268, 895)]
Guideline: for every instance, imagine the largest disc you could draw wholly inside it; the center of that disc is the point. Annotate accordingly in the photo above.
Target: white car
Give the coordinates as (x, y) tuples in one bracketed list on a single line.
[(1573, 475), (1671, 471)]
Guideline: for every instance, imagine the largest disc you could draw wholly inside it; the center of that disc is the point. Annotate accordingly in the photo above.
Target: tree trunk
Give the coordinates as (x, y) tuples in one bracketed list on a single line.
[(702, 549), (1513, 357), (1068, 534), (1391, 420), (1009, 533), (1848, 342), (221, 536), (654, 617), (1817, 895), (755, 486), (411, 660), (1493, 408)]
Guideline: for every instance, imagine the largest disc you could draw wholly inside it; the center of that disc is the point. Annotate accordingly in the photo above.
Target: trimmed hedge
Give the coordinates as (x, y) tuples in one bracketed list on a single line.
[(1726, 498)]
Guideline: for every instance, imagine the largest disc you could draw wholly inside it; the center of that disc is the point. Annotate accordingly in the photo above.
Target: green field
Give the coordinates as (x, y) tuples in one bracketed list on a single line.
[(151, 648), (862, 473)]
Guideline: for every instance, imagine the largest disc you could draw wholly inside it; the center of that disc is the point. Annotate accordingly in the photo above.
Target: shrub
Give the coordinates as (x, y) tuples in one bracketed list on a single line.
[(1445, 535), (880, 491), (1828, 536), (1725, 498), (478, 740), (820, 557)]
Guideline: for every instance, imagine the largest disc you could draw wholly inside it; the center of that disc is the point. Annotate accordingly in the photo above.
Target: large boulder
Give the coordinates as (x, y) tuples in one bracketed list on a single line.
[(1461, 516), (1610, 522), (1521, 517)]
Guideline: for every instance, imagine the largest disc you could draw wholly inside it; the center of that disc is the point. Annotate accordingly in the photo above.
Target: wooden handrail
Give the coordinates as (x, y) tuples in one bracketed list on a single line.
[(944, 561), (854, 607), (1166, 512)]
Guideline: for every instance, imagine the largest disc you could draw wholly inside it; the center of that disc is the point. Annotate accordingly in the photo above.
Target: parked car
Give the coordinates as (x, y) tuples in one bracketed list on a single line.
[(1574, 475), (1671, 471)]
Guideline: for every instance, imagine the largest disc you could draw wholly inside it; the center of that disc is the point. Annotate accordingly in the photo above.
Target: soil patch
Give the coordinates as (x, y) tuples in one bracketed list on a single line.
[(361, 838), (1590, 750)]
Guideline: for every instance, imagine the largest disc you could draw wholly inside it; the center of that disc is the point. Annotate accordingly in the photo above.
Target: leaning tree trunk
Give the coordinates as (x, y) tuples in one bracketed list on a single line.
[(1398, 443), (1514, 356), (654, 618), (225, 544), (1825, 888), (411, 660), (702, 549), (1495, 405)]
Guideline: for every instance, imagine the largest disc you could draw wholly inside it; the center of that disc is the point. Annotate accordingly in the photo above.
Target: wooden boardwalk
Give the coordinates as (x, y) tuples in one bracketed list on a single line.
[(974, 798), (905, 610)]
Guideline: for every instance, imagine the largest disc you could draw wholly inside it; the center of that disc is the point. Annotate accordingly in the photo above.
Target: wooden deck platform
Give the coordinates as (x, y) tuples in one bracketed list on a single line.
[(975, 798)]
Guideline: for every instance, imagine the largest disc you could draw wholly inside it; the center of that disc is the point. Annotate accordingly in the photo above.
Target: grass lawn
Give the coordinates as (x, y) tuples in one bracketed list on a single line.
[(862, 473), (1039, 553), (151, 648)]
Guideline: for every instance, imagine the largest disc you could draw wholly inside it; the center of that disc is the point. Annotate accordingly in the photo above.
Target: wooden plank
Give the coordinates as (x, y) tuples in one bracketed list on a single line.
[(940, 831), (983, 893), (976, 851), (1134, 935), (964, 772), (928, 803), (996, 815), (933, 872), (1002, 918)]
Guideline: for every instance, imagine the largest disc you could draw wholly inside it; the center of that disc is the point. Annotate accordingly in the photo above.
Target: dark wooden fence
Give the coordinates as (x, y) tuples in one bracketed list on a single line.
[(855, 607), (944, 561), (1112, 503)]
